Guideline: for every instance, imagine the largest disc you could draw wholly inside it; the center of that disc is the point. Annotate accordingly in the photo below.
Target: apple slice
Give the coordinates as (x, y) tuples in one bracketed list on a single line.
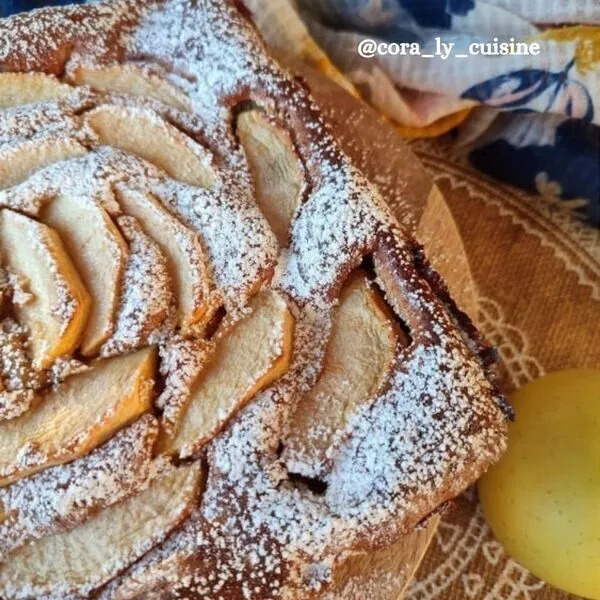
[(130, 79), (181, 362), (183, 252), (64, 496), (276, 170), (247, 358), (146, 299), (99, 253), (74, 563), (361, 347), (145, 134), (57, 313), (77, 416), (17, 89), (18, 163)]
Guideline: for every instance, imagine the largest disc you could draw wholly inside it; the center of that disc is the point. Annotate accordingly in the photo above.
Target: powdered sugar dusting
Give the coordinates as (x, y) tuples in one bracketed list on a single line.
[(38, 241), (19, 380), (26, 123), (96, 551), (320, 252), (62, 497), (182, 360), (147, 302)]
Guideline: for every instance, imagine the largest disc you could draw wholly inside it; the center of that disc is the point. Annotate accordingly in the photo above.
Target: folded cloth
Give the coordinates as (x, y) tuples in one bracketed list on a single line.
[(530, 119)]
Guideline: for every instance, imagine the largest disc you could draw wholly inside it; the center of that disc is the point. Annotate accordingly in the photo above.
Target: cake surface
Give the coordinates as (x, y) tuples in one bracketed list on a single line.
[(224, 365)]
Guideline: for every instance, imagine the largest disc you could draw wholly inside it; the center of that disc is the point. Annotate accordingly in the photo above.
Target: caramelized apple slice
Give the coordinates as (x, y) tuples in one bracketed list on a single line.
[(78, 416), (63, 497), (181, 362), (57, 313), (74, 563), (17, 89), (144, 133), (361, 347), (182, 250), (247, 358), (18, 163), (129, 79), (276, 170), (99, 253)]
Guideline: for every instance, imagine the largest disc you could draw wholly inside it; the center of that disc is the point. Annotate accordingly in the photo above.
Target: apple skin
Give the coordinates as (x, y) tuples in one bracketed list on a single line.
[(542, 500)]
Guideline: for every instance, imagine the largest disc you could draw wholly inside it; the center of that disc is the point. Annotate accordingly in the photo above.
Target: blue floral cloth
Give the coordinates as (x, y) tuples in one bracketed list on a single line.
[(534, 120)]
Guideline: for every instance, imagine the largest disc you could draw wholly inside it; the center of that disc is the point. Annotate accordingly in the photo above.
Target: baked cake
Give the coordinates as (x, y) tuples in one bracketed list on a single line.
[(224, 367)]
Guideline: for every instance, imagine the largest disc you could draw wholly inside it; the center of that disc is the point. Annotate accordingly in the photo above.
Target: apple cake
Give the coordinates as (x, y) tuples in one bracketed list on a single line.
[(224, 366)]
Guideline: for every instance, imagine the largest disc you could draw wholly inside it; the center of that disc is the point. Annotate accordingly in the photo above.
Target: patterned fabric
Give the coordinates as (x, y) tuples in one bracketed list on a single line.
[(536, 121)]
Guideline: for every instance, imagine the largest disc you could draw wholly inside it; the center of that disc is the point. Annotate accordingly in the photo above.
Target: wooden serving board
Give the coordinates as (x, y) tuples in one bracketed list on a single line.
[(419, 205)]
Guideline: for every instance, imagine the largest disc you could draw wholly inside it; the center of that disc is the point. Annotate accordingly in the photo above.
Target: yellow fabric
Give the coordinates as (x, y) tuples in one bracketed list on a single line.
[(587, 54), (437, 128)]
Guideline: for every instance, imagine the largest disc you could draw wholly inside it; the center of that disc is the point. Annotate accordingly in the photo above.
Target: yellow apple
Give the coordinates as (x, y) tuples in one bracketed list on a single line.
[(542, 500)]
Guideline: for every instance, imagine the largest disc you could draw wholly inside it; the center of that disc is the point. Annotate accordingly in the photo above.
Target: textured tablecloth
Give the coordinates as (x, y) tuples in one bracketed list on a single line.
[(537, 270)]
